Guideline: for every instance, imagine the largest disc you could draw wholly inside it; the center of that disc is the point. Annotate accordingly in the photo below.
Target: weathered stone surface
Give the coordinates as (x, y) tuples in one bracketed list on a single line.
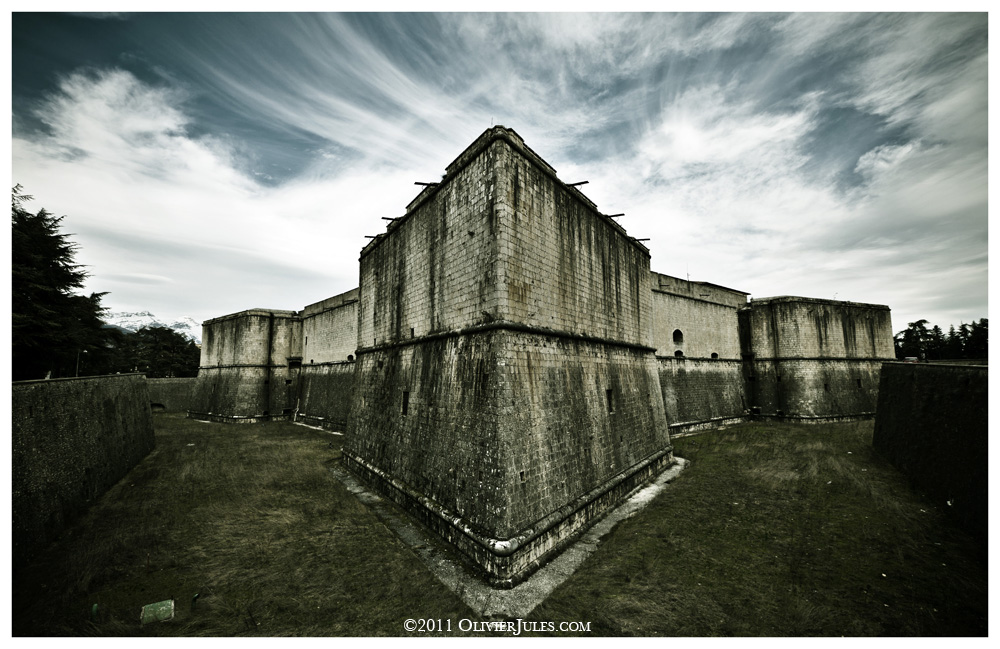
[(72, 439), (324, 394), (813, 360), (171, 395), (932, 424), (506, 390)]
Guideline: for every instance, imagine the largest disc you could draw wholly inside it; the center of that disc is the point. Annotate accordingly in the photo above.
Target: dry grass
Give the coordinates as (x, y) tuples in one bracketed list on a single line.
[(783, 530), (247, 517), (773, 530)]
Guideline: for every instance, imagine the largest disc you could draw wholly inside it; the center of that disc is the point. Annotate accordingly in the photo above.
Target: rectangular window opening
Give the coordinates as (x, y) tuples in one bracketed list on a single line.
[(611, 402), (406, 402), (826, 387), (859, 383)]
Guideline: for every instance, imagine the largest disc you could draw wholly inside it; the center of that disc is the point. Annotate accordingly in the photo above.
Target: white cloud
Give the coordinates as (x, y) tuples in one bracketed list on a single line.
[(146, 200)]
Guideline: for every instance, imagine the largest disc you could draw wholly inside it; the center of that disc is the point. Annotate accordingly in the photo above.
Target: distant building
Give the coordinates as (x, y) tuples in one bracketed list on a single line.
[(510, 368)]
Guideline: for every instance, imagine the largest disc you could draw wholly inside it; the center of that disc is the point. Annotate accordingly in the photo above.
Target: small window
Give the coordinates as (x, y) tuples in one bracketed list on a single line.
[(778, 377), (611, 402), (859, 383), (678, 353), (288, 381), (411, 332), (522, 476), (826, 387), (715, 356), (350, 358), (406, 402), (286, 411), (678, 336)]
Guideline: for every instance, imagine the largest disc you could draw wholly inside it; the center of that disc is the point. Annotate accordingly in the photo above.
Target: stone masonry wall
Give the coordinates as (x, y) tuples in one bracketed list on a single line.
[(171, 395), (796, 327), (330, 329), (813, 359), (245, 373), (706, 327), (324, 396), (503, 369), (814, 389), (932, 424), (562, 265), (435, 269), (71, 440), (698, 393)]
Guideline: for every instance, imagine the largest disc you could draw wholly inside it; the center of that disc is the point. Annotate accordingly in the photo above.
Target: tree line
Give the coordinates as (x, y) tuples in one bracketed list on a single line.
[(968, 341), (57, 333)]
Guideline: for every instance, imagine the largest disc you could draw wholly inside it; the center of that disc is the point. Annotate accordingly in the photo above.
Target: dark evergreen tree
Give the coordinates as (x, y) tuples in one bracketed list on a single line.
[(969, 341), (160, 352), (935, 348), (953, 345), (976, 345), (52, 327), (912, 342)]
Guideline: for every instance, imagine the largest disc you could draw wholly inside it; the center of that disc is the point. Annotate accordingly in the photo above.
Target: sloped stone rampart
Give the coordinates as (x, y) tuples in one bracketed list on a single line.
[(932, 424), (72, 439)]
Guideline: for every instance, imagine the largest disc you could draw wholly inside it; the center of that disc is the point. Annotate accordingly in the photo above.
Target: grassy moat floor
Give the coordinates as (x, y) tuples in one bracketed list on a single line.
[(773, 530)]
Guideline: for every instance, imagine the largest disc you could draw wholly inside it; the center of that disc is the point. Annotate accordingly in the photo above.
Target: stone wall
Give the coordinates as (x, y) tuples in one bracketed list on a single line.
[(807, 359), (72, 439), (696, 319), (799, 327), (700, 393), (932, 424), (562, 265), (324, 396), (171, 395), (814, 389), (504, 373), (330, 329), (434, 271), (249, 367)]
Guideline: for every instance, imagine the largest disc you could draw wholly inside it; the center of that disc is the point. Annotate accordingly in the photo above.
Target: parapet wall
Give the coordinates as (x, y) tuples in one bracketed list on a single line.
[(932, 424), (72, 439)]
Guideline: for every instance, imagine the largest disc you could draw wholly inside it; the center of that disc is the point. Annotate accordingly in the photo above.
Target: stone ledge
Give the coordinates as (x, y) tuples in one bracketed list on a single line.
[(507, 562)]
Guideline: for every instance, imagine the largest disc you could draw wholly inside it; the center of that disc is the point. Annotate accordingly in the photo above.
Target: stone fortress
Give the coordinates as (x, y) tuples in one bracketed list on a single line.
[(509, 367)]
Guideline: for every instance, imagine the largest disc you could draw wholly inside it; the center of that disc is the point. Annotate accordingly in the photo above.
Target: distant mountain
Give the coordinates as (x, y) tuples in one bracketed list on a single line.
[(132, 322)]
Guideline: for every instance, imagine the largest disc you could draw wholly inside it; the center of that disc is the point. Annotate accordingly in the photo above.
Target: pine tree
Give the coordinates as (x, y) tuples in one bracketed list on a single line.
[(51, 326)]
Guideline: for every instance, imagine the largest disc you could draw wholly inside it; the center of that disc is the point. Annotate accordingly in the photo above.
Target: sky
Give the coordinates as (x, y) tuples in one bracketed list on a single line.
[(208, 163)]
